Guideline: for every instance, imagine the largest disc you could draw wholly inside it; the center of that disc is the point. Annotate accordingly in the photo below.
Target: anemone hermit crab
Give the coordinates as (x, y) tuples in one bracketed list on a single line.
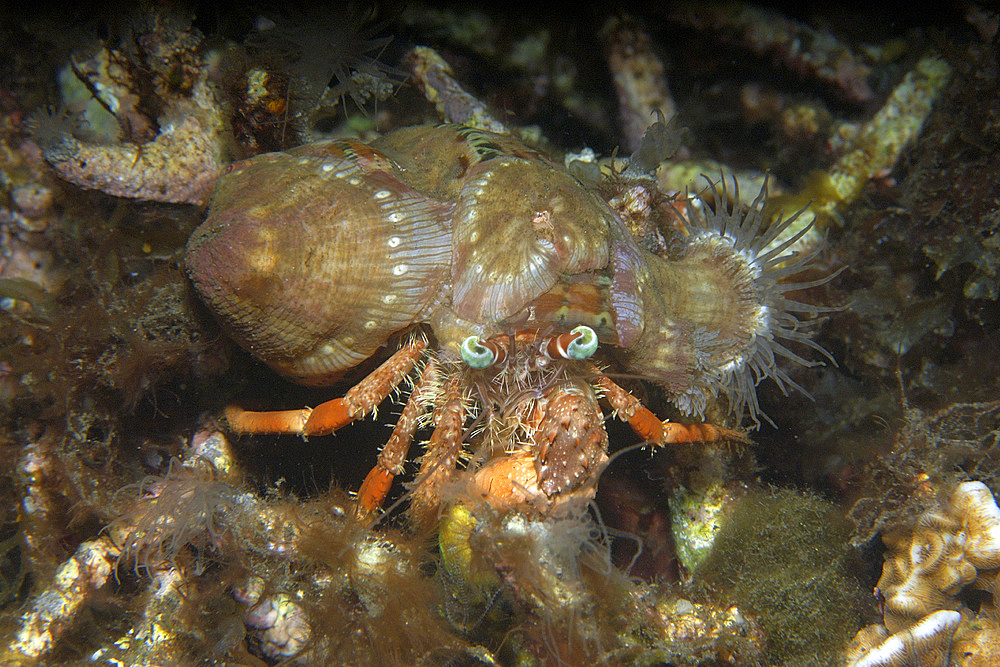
[(510, 285)]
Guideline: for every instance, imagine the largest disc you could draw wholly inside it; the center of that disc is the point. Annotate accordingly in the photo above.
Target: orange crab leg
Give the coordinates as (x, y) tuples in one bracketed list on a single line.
[(327, 417), (275, 421), (649, 427), (443, 451), (390, 460)]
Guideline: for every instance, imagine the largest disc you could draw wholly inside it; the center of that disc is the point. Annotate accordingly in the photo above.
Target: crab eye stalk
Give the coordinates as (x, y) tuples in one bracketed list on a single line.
[(580, 343), (475, 354), (584, 344)]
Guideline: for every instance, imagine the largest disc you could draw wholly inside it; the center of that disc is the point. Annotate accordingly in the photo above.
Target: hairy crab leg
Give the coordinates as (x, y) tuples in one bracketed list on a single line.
[(570, 441), (442, 454), (649, 427), (327, 417), (390, 460)]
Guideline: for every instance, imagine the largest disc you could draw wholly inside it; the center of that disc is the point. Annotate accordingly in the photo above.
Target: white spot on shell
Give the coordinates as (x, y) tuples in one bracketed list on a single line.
[(393, 241), (395, 216), (327, 166), (382, 194), (388, 298), (474, 236), (354, 181), (481, 184), (400, 269), (370, 324)]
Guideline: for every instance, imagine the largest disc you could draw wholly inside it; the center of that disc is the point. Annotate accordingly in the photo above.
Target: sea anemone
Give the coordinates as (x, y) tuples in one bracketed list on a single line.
[(187, 508), (329, 54), (721, 317)]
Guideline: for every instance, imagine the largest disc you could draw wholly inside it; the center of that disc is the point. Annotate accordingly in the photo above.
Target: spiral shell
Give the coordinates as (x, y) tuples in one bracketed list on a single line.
[(313, 258), (520, 221)]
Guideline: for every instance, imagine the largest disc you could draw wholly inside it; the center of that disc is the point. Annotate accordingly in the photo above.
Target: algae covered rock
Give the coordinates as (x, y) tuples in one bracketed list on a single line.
[(783, 557)]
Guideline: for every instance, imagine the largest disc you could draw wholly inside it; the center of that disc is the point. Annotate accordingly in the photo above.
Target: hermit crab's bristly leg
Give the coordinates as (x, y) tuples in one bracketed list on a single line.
[(327, 417), (390, 460), (649, 427), (443, 450)]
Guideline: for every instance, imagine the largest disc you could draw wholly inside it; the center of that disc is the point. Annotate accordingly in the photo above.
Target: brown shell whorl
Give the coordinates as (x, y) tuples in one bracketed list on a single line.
[(314, 281)]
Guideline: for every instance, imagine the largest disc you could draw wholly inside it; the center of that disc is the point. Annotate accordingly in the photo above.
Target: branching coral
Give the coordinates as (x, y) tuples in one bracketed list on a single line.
[(293, 580), (52, 612), (799, 47), (228, 572), (639, 78), (436, 80), (870, 150), (150, 171)]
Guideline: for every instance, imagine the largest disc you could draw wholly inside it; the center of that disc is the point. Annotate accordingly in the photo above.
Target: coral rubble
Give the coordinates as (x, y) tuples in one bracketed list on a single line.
[(949, 550), (174, 157)]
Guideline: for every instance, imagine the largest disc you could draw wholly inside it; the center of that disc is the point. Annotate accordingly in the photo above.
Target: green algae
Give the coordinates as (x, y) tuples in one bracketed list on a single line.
[(781, 557)]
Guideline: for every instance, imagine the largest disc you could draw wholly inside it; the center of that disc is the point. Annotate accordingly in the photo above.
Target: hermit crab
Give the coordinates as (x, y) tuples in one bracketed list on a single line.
[(512, 288)]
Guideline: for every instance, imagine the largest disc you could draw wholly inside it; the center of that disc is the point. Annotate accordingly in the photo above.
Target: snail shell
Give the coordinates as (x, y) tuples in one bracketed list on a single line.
[(314, 257)]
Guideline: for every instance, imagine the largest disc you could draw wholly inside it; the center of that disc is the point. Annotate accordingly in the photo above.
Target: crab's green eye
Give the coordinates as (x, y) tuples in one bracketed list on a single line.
[(475, 354), (584, 345)]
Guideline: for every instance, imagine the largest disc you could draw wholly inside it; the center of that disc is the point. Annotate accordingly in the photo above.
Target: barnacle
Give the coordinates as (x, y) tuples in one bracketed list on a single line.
[(278, 626), (524, 582)]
